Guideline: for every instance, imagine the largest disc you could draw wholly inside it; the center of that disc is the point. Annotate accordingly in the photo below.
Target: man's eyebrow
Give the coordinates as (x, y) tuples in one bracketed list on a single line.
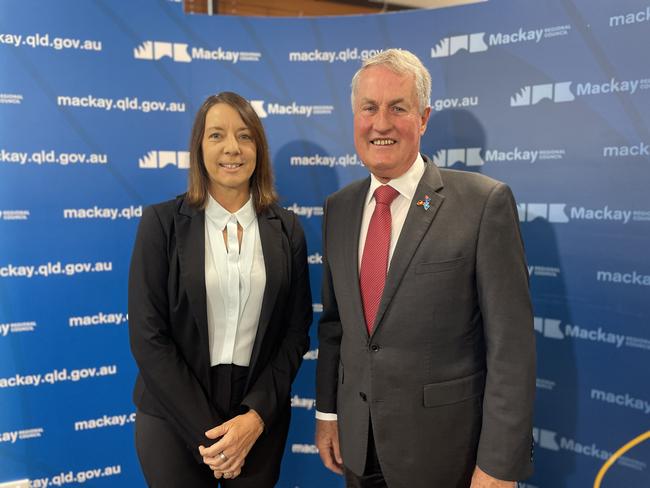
[(396, 101), (390, 102), (367, 100)]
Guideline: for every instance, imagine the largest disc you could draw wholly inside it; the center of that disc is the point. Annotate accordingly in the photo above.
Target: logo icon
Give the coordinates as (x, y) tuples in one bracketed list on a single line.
[(258, 106), (553, 212), (155, 50), (448, 46), (546, 439), (548, 327), (533, 94), (160, 159), (470, 156)]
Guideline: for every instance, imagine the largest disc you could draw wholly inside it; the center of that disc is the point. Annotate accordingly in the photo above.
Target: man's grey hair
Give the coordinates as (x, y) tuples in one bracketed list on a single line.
[(402, 62)]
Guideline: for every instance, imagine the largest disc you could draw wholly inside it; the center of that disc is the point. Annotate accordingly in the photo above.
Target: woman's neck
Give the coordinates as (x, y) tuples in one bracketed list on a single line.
[(231, 200)]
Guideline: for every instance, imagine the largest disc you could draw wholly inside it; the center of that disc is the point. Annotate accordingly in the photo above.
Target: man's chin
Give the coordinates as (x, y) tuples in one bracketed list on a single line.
[(382, 174)]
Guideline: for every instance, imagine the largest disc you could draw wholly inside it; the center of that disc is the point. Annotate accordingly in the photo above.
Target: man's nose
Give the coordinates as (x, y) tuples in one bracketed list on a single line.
[(382, 120)]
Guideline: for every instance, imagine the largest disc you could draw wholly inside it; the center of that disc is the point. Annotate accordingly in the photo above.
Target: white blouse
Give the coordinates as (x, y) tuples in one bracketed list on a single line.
[(234, 282)]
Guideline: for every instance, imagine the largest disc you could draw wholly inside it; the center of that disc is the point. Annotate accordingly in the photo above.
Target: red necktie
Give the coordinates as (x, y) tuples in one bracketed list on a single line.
[(374, 262)]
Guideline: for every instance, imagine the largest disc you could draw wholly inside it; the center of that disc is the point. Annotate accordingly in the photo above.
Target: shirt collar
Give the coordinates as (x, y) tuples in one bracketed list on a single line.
[(405, 184), (220, 216)]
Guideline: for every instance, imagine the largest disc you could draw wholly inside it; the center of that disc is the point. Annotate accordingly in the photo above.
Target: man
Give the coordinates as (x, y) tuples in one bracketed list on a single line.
[(426, 370)]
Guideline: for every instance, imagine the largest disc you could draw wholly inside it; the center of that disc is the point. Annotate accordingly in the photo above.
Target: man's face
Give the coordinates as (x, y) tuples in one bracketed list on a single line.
[(387, 121)]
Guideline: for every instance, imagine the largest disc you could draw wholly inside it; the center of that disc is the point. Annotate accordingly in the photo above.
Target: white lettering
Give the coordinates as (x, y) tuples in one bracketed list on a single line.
[(624, 400), (98, 319), (10, 437), (307, 212), (304, 449), (631, 18), (612, 86), (597, 335), (293, 109), (11, 271), (515, 155), (13, 39), (604, 213), (298, 402), (641, 149), (218, 54), (632, 278), (519, 36)]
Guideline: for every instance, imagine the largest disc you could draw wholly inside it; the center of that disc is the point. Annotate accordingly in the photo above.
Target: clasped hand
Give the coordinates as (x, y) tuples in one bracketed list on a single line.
[(236, 438)]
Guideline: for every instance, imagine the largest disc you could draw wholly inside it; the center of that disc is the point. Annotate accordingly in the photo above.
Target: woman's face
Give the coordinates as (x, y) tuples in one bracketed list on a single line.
[(229, 152)]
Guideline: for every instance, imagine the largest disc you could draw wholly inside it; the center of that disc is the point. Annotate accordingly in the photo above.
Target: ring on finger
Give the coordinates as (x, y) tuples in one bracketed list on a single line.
[(223, 456)]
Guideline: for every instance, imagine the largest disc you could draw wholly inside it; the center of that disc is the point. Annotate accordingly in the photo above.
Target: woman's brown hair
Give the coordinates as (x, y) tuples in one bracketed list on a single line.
[(261, 182)]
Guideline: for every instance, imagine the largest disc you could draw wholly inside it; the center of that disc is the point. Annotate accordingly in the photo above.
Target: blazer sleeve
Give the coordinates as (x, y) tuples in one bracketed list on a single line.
[(164, 370), (270, 392), (329, 337), (505, 446)]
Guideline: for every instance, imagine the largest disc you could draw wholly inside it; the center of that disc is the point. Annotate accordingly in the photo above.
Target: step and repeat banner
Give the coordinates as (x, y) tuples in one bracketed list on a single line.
[(96, 103)]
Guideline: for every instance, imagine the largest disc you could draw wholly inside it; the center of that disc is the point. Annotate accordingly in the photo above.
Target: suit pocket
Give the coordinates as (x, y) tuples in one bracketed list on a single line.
[(454, 391), (439, 266)]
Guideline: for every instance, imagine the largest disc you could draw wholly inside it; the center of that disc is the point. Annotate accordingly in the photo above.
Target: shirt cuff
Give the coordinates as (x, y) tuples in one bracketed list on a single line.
[(326, 416)]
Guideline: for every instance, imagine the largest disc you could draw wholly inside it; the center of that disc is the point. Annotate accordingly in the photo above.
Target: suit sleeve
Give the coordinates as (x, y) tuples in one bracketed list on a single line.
[(505, 446), (329, 337), (165, 372), (271, 390)]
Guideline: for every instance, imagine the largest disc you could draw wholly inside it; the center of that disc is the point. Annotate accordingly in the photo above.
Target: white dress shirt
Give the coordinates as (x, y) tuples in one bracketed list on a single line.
[(235, 279), (406, 185)]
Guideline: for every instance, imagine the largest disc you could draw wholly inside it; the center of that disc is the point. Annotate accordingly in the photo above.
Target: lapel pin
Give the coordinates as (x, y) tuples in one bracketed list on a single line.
[(426, 203)]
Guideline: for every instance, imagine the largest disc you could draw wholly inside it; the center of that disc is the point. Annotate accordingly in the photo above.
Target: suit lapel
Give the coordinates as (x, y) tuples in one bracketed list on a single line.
[(355, 207), (190, 241), (276, 253), (417, 223)]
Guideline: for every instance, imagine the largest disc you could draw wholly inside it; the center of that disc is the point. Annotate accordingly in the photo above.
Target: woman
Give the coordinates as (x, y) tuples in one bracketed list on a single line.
[(219, 311)]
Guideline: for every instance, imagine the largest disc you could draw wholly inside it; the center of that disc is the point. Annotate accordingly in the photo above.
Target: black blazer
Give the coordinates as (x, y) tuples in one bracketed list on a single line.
[(168, 323)]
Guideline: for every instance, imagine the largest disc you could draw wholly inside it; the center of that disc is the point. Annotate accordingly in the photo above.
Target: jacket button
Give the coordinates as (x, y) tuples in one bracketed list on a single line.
[(375, 348), (363, 396)]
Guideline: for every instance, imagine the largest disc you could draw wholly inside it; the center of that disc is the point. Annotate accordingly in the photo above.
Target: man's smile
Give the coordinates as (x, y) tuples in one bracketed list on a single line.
[(383, 142)]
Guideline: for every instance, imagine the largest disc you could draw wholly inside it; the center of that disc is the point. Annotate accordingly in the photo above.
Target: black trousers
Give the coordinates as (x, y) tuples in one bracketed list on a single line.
[(167, 462), (372, 476)]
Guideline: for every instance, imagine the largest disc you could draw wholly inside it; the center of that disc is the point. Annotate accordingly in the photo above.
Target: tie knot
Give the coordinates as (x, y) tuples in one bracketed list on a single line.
[(385, 194)]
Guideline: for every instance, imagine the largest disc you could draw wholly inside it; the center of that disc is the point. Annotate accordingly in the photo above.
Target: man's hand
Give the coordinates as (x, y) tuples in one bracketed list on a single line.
[(327, 442), (480, 479), (226, 456)]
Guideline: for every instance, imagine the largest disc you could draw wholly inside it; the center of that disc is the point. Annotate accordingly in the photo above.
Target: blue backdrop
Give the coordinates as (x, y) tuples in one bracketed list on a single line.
[(96, 104)]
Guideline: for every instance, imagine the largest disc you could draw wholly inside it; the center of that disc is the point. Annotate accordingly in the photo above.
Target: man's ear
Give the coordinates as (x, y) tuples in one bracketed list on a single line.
[(424, 119)]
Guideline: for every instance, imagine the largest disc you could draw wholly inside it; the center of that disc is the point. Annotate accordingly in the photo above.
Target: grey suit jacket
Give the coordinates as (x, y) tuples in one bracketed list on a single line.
[(448, 375)]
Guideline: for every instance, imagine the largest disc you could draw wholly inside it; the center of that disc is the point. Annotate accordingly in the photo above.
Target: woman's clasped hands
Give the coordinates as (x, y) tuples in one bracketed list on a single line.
[(236, 438)]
